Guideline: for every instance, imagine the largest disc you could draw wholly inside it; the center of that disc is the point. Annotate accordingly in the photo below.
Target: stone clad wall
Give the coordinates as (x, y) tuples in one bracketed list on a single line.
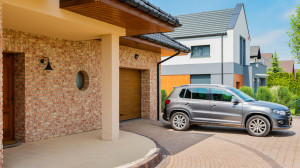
[(48, 103), (53, 104), (147, 64)]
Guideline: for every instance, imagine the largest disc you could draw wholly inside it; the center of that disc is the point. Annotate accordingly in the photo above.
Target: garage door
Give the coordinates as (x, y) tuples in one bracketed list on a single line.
[(130, 94)]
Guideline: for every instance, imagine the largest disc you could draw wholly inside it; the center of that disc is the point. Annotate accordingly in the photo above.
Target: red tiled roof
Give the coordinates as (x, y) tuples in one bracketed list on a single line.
[(287, 65), (268, 55)]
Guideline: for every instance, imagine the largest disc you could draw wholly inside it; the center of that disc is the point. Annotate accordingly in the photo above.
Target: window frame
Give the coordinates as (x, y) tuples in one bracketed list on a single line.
[(204, 56), (242, 50)]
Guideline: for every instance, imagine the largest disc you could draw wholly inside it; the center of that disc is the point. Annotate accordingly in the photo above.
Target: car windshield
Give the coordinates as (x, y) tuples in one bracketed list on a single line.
[(242, 95)]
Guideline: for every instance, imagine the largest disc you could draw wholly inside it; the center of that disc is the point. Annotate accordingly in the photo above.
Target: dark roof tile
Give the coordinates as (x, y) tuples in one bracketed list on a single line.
[(164, 40)]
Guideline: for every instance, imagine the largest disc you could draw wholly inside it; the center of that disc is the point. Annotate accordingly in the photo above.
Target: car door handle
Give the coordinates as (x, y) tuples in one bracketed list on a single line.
[(213, 106), (186, 103)]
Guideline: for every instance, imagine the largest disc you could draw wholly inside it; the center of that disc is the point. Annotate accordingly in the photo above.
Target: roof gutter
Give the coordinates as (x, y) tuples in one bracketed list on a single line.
[(158, 82)]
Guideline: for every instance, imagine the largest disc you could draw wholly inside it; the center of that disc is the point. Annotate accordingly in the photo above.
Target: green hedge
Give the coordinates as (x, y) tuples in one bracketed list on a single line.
[(248, 90), (284, 96), (285, 79), (297, 107), (264, 93)]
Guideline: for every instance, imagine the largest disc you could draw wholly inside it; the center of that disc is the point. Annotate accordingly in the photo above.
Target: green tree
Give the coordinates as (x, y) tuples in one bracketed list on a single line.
[(297, 82), (275, 65), (247, 90), (294, 34)]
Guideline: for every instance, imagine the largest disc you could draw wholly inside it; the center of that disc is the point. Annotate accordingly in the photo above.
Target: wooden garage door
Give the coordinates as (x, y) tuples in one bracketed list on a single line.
[(130, 94)]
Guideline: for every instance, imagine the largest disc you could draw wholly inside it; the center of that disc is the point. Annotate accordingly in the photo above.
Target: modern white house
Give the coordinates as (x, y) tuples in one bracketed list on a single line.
[(220, 43)]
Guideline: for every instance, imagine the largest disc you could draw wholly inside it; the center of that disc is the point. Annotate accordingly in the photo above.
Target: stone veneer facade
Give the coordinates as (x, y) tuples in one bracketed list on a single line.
[(48, 103)]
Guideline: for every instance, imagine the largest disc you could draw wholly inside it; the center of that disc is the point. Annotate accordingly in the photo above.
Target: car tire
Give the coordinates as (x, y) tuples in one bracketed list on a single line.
[(180, 121), (258, 126)]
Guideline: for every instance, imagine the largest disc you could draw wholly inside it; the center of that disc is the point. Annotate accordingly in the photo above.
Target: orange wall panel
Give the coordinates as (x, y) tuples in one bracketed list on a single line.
[(237, 78), (168, 82)]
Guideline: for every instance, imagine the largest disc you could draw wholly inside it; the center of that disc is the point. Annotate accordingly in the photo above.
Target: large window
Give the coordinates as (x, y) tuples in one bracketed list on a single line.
[(221, 95), (201, 51), (200, 93), (242, 51)]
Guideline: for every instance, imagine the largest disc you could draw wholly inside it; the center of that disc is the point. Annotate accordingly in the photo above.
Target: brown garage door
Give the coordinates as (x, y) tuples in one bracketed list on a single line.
[(130, 94)]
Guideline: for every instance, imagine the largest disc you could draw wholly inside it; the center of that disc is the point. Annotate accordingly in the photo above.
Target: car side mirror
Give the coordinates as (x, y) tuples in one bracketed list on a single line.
[(234, 100)]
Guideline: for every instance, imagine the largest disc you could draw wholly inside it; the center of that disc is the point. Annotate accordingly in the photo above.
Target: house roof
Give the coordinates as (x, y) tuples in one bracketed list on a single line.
[(287, 65), (147, 7), (268, 55), (255, 52), (207, 23), (165, 40)]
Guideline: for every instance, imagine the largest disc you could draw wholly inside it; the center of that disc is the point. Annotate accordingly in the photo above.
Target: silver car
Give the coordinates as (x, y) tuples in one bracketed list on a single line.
[(226, 106)]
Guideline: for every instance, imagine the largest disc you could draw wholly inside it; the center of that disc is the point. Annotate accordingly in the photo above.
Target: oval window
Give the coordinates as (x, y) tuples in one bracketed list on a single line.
[(80, 80)]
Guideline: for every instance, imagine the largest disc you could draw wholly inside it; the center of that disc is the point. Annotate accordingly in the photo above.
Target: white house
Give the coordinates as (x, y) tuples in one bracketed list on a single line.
[(220, 43)]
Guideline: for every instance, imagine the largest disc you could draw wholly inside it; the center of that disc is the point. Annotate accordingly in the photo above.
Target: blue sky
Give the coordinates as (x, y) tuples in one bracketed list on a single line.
[(268, 20)]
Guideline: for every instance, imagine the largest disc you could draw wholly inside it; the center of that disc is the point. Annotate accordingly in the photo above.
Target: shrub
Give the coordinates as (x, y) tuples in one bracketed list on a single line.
[(284, 95), (163, 99), (247, 90), (264, 93), (274, 91)]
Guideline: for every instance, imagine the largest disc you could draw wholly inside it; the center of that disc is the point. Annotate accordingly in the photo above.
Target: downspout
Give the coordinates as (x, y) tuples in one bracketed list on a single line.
[(158, 81), (222, 61)]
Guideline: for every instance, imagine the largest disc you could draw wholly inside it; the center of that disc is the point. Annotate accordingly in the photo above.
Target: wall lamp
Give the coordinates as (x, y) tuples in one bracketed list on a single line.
[(48, 67), (136, 56)]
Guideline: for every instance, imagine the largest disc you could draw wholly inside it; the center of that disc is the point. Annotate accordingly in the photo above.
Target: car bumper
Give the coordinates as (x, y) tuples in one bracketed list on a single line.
[(282, 122), (165, 115)]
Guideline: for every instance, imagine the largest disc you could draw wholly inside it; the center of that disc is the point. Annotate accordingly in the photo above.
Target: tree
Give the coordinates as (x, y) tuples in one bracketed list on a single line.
[(275, 65), (264, 93), (294, 34), (247, 90)]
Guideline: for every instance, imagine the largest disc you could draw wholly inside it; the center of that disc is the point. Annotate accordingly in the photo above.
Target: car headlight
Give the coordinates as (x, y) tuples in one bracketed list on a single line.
[(279, 112)]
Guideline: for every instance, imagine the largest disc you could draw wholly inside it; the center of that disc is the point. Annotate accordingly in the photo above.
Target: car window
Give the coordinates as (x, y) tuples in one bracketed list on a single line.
[(199, 93), (188, 93), (182, 93), (221, 95)]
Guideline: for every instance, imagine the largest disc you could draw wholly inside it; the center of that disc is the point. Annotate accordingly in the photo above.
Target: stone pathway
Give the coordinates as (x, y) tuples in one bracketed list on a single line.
[(209, 146)]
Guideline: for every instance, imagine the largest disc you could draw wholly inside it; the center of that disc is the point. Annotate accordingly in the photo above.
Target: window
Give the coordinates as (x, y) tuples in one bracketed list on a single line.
[(200, 79), (188, 94), (201, 51), (242, 51), (199, 93), (221, 95), (181, 95), (82, 80)]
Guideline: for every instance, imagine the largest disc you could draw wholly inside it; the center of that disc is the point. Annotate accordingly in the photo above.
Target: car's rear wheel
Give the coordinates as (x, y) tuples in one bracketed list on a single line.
[(258, 126), (180, 121)]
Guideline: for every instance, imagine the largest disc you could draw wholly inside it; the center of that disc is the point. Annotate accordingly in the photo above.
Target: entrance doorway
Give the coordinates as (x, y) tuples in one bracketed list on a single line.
[(8, 97)]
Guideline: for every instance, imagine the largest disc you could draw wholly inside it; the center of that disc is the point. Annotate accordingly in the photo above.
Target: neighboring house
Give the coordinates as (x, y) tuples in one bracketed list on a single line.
[(257, 70), (220, 44), (99, 76), (267, 59), (287, 66)]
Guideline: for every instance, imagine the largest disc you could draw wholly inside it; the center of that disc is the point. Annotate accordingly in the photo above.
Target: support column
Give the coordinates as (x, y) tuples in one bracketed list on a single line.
[(110, 80), (1, 84)]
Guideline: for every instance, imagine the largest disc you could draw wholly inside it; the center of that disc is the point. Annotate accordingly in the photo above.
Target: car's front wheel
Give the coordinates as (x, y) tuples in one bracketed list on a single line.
[(258, 126), (180, 121)]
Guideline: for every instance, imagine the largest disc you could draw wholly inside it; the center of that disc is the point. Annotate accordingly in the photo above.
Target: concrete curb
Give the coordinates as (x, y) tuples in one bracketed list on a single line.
[(150, 160)]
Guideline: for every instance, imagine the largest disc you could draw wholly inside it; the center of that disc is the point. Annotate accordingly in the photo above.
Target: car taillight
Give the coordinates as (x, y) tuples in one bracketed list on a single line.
[(167, 101)]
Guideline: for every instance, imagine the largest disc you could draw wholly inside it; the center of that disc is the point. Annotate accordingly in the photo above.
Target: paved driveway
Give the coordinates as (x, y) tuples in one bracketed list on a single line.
[(209, 146)]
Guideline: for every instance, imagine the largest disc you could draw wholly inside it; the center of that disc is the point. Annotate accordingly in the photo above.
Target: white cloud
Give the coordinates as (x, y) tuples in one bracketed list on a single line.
[(268, 39)]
